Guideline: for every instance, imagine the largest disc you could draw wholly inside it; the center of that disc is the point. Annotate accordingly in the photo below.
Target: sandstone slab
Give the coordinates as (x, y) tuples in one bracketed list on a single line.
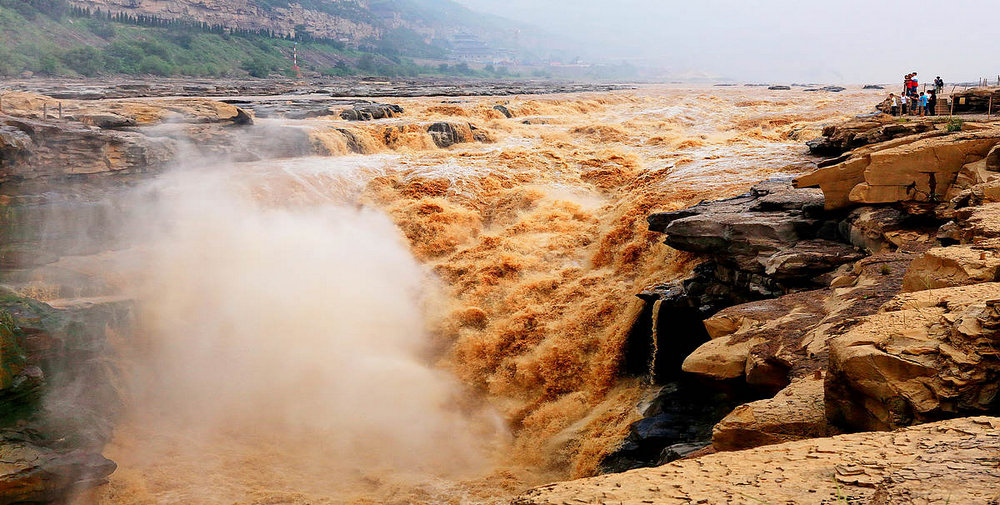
[(947, 462), (916, 362), (951, 266), (919, 170), (795, 413)]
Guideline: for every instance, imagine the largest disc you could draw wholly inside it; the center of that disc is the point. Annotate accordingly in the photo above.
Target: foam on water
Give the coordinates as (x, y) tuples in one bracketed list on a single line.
[(478, 291)]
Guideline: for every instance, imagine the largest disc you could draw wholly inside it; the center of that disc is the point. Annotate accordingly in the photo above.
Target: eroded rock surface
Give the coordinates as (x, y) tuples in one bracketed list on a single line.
[(927, 356), (774, 230), (35, 148), (956, 461), (370, 111), (58, 355), (919, 169), (840, 138)]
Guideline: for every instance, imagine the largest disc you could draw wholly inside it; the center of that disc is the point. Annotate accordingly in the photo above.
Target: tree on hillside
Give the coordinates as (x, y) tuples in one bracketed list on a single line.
[(83, 60)]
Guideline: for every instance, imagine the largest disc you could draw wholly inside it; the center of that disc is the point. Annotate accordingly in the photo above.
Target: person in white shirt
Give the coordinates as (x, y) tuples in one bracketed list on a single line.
[(906, 104), (893, 104)]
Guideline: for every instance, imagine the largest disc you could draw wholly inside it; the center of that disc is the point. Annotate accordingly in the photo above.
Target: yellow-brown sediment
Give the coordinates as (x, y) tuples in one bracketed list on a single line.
[(541, 243)]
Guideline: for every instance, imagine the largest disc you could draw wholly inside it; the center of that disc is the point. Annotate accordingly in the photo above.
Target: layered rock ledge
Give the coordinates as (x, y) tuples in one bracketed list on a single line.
[(871, 304), (946, 462)]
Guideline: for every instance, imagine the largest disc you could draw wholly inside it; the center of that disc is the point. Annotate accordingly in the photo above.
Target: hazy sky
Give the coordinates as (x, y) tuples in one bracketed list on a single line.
[(839, 41)]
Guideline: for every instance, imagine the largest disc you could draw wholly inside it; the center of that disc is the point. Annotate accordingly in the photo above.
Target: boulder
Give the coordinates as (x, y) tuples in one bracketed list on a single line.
[(917, 362), (955, 265), (721, 358), (447, 134), (878, 229), (15, 147), (795, 413), (106, 120), (31, 473), (503, 110), (369, 111), (242, 118), (808, 258)]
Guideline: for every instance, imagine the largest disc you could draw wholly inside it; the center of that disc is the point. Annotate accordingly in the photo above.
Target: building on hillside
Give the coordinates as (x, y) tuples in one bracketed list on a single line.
[(467, 46)]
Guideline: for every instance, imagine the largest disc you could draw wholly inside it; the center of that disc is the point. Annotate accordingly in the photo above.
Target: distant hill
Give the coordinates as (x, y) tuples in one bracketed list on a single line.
[(410, 27), (233, 37)]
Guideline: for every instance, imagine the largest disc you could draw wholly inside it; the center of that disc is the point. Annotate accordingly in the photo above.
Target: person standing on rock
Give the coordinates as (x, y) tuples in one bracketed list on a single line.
[(914, 84), (893, 104), (906, 103), (923, 104), (932, 103), (938, 85)]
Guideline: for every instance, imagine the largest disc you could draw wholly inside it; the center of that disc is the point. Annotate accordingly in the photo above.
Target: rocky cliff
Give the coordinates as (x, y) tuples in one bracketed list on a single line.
[(351, 21), (871, 305), (248, 14)]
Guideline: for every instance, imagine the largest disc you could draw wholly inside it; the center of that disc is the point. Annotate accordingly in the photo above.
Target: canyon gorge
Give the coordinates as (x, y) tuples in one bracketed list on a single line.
[(306, 297)]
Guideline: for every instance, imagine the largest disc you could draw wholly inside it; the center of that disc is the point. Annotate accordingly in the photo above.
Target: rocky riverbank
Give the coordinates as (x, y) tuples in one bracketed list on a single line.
[(117, 88), (531, 212), (868, 304)]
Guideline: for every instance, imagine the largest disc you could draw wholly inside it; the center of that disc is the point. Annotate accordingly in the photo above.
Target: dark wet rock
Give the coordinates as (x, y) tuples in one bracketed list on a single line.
[(779, 88), (680, 450), (107, 120), (331, 87), (773, 195), (503, 110), (242, 118), (371, 111), (873, 86), (831, 89), (772, 230), (878, 229), (352, 140), (840, 138), (31, 473), (809, 258), (60, 354), (448, 134), (677, 421)]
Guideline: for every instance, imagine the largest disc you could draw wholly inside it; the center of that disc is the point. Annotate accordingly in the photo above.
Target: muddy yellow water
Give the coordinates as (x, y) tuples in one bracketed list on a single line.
[(422, 325)]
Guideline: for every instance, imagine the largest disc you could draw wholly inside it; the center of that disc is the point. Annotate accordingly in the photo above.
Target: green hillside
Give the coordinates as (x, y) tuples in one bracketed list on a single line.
[(50, 37)]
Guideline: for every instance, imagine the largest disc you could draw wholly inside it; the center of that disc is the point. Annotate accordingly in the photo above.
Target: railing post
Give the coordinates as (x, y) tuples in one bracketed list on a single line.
[(60, 110), (45, 111)]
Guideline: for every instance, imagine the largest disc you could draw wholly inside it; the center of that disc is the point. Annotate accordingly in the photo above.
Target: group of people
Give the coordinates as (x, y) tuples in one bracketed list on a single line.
[(912, 103)]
